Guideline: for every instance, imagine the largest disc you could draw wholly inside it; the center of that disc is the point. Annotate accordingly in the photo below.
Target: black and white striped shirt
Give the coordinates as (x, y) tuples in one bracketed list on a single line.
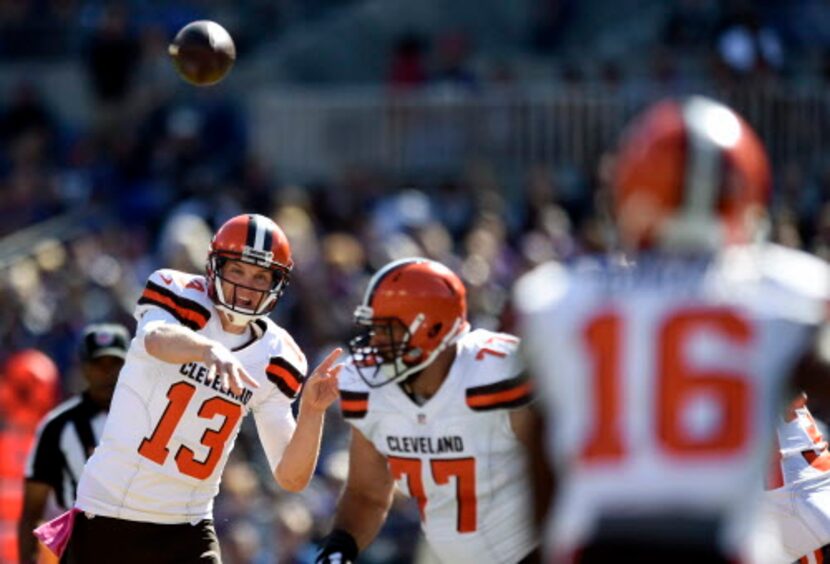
[(65, 440)]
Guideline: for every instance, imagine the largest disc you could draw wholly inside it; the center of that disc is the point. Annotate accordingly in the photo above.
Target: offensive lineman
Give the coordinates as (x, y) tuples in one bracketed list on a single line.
[(442, 411)]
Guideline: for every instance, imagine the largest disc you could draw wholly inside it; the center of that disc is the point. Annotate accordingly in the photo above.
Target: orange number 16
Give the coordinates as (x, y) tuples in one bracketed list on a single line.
[(676, 381)]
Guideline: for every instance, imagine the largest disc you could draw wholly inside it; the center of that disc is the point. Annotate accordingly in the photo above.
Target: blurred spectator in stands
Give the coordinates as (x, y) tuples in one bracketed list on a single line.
[(112, 55), (571, 74), (408, 68), (183, 243), (344, 264), (453, 207), (28, 390), (748, 47), (667, 79), (400, 211), (28, 153), (155, 77), (452, 64), (26, 114), (112, 58), (254, 182), (242, 512), (785, 229), (550, 18), (611, 75), (293, 527), (690, 24), (821, 241)]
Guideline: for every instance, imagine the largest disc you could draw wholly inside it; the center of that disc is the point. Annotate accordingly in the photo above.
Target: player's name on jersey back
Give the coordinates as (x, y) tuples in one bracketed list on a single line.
[(652, 273), (199, 372)]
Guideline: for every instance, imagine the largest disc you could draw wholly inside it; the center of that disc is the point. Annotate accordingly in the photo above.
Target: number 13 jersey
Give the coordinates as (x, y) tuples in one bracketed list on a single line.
[(661, 381), (170, 430)]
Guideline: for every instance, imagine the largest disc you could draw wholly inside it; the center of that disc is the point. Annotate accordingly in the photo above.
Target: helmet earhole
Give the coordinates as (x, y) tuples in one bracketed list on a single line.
[(434, 330)]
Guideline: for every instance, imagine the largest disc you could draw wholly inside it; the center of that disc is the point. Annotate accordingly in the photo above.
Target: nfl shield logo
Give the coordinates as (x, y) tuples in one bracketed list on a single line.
[(422, 418)]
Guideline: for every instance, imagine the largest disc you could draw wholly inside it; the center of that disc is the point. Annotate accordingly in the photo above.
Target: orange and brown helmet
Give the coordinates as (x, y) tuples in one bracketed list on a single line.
[(413, 310), (252, 239), (690, 174)]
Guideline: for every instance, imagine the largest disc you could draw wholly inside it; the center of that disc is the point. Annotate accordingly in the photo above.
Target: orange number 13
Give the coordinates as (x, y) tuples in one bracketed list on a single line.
[(179, 395)]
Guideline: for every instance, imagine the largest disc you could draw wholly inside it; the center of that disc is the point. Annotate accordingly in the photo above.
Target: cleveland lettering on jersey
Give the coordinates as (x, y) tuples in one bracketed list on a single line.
[(425, 445), (432, 404), (198, 372)]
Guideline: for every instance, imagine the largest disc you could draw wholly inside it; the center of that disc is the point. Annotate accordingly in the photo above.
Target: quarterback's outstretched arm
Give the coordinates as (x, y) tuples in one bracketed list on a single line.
[(299, 459), (364, 504), (177, 344)]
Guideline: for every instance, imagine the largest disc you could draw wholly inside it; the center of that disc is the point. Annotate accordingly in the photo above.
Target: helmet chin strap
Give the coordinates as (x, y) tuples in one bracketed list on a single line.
[(235, 317)]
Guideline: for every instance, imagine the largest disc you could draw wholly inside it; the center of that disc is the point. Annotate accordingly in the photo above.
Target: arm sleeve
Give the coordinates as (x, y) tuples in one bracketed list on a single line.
[(275, 425), (150, 318)]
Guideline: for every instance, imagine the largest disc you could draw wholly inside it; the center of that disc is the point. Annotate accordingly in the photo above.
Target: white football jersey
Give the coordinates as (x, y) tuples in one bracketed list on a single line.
[(170, 431), (661, 381), (457, 454), (798, 498), (801, 451)]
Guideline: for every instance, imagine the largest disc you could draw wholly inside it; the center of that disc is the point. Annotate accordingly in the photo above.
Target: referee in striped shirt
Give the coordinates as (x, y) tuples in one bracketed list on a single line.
[(68, 434)]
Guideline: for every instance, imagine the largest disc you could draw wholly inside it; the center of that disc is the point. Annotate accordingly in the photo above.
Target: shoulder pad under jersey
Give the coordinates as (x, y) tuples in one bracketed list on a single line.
[(182, 295), (494, 373)]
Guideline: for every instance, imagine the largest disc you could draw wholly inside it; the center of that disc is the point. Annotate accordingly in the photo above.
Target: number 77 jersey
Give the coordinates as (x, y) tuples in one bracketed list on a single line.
[(457, 454), (660, 381)]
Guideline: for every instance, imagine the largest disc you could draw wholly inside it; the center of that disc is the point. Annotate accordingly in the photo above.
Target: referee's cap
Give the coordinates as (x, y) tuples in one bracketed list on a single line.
[(104, 339)]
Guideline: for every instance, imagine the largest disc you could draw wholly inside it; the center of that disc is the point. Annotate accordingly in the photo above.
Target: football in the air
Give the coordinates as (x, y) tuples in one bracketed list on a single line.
[(203, 52)]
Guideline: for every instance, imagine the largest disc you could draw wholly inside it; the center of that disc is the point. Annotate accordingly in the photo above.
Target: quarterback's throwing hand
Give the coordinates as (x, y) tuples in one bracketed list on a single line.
[(223, 364), (320, 389)]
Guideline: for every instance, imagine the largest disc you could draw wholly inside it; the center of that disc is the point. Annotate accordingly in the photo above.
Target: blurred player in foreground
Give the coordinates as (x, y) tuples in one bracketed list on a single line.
[(205, 354), (661, 372), (441, 410), (69, 433)]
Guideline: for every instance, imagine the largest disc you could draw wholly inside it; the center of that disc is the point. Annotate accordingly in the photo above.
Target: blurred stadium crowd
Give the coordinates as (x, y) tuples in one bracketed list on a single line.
[(144, 182)]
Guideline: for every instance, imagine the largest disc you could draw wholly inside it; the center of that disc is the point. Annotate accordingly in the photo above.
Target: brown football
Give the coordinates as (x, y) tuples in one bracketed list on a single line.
[(203, 52)]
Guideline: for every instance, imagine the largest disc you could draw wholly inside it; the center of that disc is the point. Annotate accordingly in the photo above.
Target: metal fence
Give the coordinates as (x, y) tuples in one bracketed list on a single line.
[(315, 134)]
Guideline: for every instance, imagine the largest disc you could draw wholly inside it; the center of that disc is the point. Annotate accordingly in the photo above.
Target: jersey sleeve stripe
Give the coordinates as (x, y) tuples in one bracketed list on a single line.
[(283, 375), (500, 386), (354, 405), (509, 393), (188, 312)]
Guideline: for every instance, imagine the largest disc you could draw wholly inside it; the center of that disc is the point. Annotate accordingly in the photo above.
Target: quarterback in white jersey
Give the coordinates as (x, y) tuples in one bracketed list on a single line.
[(439, 410), (204, 356), (798, 485), (661, 373)]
